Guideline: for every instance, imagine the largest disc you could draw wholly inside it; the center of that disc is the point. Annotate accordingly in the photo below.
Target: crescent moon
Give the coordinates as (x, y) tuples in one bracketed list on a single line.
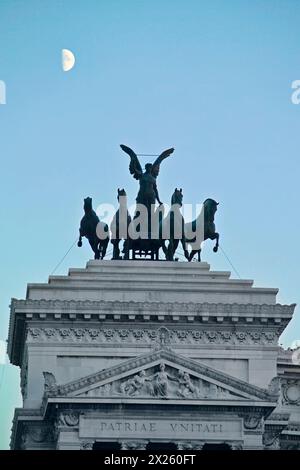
[(68, 60)]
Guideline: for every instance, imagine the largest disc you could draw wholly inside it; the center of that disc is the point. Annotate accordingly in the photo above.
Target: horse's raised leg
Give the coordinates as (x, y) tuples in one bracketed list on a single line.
[(216, 237)]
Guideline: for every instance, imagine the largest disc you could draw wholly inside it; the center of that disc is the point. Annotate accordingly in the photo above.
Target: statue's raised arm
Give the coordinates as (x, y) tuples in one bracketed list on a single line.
[(156, 164), (134, 165)]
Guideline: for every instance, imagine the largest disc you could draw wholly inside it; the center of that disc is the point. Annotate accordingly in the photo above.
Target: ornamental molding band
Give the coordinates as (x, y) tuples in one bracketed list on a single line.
[(111, 307), (161, 374), (149, 336)]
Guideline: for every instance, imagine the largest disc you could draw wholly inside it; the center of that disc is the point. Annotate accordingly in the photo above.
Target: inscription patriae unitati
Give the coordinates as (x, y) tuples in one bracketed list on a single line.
[(135, 426), (94, 427)]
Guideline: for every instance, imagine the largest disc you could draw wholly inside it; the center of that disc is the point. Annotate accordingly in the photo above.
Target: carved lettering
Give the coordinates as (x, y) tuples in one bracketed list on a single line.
[(152, 427)]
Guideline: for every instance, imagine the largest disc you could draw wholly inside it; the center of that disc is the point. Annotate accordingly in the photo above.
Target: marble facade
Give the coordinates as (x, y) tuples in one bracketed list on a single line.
[(137, 353)]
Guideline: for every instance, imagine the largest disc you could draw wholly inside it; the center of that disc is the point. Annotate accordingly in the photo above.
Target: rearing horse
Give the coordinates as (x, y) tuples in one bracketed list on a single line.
[(90, 226), (210, 207)]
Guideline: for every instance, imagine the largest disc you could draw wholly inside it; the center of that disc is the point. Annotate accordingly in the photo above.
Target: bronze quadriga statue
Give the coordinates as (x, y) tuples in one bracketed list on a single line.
[(149, 230)]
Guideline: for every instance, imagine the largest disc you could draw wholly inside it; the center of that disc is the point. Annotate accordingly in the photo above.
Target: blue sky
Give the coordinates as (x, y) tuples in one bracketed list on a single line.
[(211, 78)]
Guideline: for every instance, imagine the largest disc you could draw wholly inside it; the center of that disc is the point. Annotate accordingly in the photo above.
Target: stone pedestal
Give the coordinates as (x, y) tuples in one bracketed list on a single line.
[(189, 352)]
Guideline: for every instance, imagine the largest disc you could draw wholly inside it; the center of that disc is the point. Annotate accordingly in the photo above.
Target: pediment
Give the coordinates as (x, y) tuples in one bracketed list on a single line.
[(161, 375)]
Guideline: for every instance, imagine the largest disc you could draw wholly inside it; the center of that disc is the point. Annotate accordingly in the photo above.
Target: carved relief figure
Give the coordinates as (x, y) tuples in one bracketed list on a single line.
[(137, 385), (49, 380), (161, 379), (186, 386)]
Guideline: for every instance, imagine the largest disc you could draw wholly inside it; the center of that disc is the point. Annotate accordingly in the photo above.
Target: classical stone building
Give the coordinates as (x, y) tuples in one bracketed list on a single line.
[(153, 355)]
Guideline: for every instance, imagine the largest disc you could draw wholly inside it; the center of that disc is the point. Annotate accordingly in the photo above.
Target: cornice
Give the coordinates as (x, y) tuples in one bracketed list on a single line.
[(111, 306), (26, 311)]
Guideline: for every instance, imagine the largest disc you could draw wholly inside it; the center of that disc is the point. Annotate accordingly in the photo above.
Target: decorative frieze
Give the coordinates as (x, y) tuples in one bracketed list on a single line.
[(136, 335), (162, 381)]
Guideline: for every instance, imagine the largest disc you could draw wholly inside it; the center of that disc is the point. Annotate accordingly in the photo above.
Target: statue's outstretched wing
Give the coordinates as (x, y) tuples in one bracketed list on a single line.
[(134, 166), (156, 164)]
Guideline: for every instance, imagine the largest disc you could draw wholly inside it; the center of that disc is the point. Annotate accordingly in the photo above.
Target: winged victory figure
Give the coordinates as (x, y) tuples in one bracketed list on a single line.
[(148, 193)]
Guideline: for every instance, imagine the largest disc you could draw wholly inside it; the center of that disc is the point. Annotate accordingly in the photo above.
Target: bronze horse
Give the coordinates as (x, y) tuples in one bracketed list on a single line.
[(119, 226), (210, 207), (175, 224), (89, 227)]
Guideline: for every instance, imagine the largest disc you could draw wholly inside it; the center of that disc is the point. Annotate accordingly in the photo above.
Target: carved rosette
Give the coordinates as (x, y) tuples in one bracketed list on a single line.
[(290, 391)]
